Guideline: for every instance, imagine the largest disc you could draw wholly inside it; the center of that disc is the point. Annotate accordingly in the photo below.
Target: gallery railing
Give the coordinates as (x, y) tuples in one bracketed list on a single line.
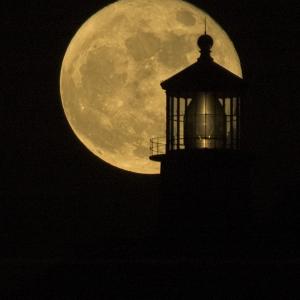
[(157, 146)]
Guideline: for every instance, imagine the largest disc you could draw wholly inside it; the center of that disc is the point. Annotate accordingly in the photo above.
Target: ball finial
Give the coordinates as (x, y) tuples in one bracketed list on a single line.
[(205, 43)]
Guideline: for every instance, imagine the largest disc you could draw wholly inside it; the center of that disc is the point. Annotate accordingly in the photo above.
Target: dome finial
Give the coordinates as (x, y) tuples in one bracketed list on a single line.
[(205, 43)]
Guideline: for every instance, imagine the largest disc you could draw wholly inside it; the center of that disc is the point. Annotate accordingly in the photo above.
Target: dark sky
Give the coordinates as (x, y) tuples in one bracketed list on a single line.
[(53, 187)]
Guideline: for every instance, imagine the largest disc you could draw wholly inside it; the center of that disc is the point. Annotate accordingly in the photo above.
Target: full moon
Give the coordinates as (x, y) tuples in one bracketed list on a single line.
[(112, 69)]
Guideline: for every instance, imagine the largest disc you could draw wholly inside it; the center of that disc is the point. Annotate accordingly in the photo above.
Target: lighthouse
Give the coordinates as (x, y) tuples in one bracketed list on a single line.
[(204, 168)]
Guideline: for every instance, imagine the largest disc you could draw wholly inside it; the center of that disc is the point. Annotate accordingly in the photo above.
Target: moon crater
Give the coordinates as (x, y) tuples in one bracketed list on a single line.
[(186, 18)]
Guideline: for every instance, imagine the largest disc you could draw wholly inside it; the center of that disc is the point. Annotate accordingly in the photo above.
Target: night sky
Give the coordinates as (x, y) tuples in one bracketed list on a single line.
[(54, 189), (55, 194)]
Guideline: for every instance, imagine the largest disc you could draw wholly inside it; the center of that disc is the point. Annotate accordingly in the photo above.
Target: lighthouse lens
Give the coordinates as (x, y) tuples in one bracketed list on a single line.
[(204, 123)]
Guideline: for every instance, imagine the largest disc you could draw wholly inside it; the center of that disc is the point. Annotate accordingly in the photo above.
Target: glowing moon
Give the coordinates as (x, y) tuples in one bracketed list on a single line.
[(111, 73)]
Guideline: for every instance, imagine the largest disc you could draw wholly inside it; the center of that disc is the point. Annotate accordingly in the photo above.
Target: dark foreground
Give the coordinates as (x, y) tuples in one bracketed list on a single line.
[(257, 267)]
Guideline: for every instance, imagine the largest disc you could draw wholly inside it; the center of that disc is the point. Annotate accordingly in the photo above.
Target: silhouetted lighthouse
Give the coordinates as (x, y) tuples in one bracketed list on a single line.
[(204, 170)]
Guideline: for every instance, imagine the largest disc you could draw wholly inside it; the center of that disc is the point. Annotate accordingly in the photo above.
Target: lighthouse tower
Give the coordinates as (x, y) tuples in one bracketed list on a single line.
[(204, 169)]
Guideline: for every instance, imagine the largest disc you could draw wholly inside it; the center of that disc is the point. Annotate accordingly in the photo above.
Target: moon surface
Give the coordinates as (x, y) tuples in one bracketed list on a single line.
[(112, 69)]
